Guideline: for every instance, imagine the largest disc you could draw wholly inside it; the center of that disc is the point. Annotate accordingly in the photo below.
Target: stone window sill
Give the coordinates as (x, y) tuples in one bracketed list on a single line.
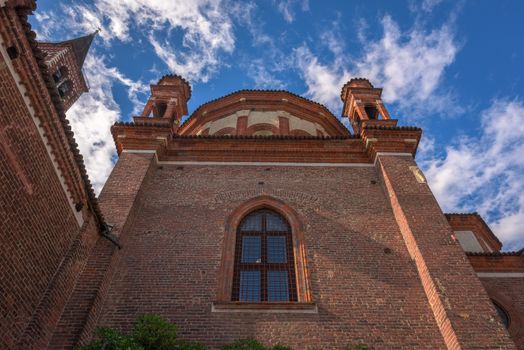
[(232, 306)]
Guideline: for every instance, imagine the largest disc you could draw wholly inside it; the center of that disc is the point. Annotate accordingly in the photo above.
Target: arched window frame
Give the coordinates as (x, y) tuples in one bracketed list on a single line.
[(61, 74), (500, 309), (253, 255), (226, 272), (506, 303), (64, 88)]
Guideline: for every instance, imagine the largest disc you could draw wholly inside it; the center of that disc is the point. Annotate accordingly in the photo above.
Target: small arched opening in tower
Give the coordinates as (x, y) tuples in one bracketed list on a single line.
[(64, 88), (372, 112), (60, 75)]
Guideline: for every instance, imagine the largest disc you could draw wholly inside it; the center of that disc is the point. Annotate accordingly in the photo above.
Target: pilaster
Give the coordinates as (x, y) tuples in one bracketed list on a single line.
[(460, 305)]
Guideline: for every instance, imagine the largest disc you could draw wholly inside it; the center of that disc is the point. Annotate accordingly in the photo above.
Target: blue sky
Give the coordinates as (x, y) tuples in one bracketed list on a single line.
[(453, 68)]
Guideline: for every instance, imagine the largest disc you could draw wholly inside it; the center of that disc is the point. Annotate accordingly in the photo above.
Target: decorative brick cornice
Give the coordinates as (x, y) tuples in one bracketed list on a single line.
[(355, 83), (28, 5), (169, 76), (396, 128), (391, 139), (268, 137), (495, 254), (504, 262), (142, 136)]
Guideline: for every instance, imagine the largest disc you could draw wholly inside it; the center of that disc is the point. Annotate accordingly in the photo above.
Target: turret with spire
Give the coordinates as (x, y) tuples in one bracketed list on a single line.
[(65, 60)]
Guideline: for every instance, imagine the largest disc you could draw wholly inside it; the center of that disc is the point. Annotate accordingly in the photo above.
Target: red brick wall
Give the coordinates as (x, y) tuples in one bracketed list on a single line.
[(508, 293), (171, 256), (41, 244), (118, 201)]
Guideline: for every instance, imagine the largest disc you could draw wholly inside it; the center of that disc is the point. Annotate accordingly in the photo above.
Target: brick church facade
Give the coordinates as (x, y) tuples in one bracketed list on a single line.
[(259, 215)]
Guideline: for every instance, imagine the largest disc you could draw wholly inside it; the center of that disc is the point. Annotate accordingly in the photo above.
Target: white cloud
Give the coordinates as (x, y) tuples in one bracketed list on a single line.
[(287, 8), (187, 35), (262, 77), (47, 21), (409, 66), (95, 112), (424, 7), (428, 5), (484, 173), (323, 81), (270, 60)]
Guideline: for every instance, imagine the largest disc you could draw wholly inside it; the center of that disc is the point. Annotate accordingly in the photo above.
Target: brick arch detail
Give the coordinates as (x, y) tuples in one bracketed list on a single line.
[(225, 277), (225, 131), (262, 126), (516, 323), (299, 132)]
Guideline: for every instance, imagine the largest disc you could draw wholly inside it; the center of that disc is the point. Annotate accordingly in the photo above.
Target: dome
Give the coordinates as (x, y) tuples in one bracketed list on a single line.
[(258, 112)]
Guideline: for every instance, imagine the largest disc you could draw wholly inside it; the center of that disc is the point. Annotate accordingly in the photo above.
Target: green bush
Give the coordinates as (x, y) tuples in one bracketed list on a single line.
[(110, 339), (281, 347), (155, 333), (252, 344), (186, 345), (151, 332), (244, 344)]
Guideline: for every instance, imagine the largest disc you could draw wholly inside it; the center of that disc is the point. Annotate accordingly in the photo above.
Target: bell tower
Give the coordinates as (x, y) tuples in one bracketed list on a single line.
[(363, 105), (372, 123), (168, 102), (64, 61)]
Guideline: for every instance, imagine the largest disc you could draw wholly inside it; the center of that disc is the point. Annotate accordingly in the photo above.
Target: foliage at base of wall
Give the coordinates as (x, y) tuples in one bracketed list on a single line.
[(252, 344), (151, 332)]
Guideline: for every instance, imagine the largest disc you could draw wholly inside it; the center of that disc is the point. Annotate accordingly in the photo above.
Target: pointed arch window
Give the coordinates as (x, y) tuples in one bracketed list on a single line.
[(502, 314), (264, 259)]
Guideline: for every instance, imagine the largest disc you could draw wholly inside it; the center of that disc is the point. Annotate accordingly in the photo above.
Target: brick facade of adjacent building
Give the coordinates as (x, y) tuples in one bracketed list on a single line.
[(49, 220), (376, 260)]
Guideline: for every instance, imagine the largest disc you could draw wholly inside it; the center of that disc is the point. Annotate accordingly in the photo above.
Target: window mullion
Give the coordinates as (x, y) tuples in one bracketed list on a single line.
[(236, 276), (290, 263), (264, 260)]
